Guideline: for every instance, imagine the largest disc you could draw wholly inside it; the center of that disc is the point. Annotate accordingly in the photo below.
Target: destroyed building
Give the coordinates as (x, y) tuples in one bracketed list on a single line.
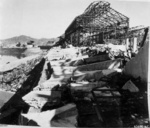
[(98, 78), (101, 24), (98, 23)]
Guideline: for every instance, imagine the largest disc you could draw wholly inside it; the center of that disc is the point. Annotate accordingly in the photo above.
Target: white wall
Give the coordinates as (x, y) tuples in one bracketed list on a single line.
[(138, 66)]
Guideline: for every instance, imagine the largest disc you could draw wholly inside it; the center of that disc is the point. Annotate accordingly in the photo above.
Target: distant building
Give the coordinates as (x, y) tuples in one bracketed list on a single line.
[(30, 44)]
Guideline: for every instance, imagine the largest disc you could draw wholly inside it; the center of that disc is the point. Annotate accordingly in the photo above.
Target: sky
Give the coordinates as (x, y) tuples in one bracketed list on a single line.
[(50, 18)]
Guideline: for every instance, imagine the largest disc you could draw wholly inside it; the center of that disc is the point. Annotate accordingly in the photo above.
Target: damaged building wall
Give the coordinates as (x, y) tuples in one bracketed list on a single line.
[(138, 66)]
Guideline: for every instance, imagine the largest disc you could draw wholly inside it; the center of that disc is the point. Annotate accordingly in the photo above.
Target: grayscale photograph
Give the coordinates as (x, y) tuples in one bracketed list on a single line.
[(75, 63)]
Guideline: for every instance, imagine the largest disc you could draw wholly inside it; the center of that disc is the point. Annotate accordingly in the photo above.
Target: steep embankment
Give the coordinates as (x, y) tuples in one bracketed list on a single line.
[(21, 77), (14, 74)]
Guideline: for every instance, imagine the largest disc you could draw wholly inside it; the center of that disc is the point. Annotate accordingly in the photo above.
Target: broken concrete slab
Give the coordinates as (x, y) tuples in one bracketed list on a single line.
[(110, 64), (62, 117), (93, 75), (88, 60), (41, 119), (37, 99), (62, 75)]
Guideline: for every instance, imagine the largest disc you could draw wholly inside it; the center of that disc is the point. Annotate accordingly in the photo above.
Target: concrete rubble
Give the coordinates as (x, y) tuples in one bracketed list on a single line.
[(63, 94), (93, 82)]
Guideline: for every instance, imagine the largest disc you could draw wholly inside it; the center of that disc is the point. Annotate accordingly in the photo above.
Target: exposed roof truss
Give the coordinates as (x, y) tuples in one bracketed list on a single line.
[(99, 15)]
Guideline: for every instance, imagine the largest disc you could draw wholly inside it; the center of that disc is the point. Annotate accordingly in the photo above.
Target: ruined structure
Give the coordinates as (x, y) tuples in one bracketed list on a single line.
[(101, 24), (97, 25), (103, 84)]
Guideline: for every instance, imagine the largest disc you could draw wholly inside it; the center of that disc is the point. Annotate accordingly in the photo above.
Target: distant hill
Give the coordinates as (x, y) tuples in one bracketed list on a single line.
[(24, 39)]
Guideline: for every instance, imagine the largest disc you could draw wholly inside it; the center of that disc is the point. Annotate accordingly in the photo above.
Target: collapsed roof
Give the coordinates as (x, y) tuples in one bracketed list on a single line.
[(98, 16)]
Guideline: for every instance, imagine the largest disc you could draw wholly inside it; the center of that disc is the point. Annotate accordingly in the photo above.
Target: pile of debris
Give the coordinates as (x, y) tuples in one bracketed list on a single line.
[(86, 91), (71, 88)]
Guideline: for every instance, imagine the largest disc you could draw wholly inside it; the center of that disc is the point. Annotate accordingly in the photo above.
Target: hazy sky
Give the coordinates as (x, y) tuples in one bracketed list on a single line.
[(50, 18)]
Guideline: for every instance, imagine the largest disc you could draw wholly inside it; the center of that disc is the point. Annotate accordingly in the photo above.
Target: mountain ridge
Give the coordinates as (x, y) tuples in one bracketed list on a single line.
[(23, 39)]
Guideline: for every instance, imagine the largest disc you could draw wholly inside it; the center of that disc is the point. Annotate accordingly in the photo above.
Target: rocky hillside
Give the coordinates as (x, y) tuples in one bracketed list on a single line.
[(24, 39)]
